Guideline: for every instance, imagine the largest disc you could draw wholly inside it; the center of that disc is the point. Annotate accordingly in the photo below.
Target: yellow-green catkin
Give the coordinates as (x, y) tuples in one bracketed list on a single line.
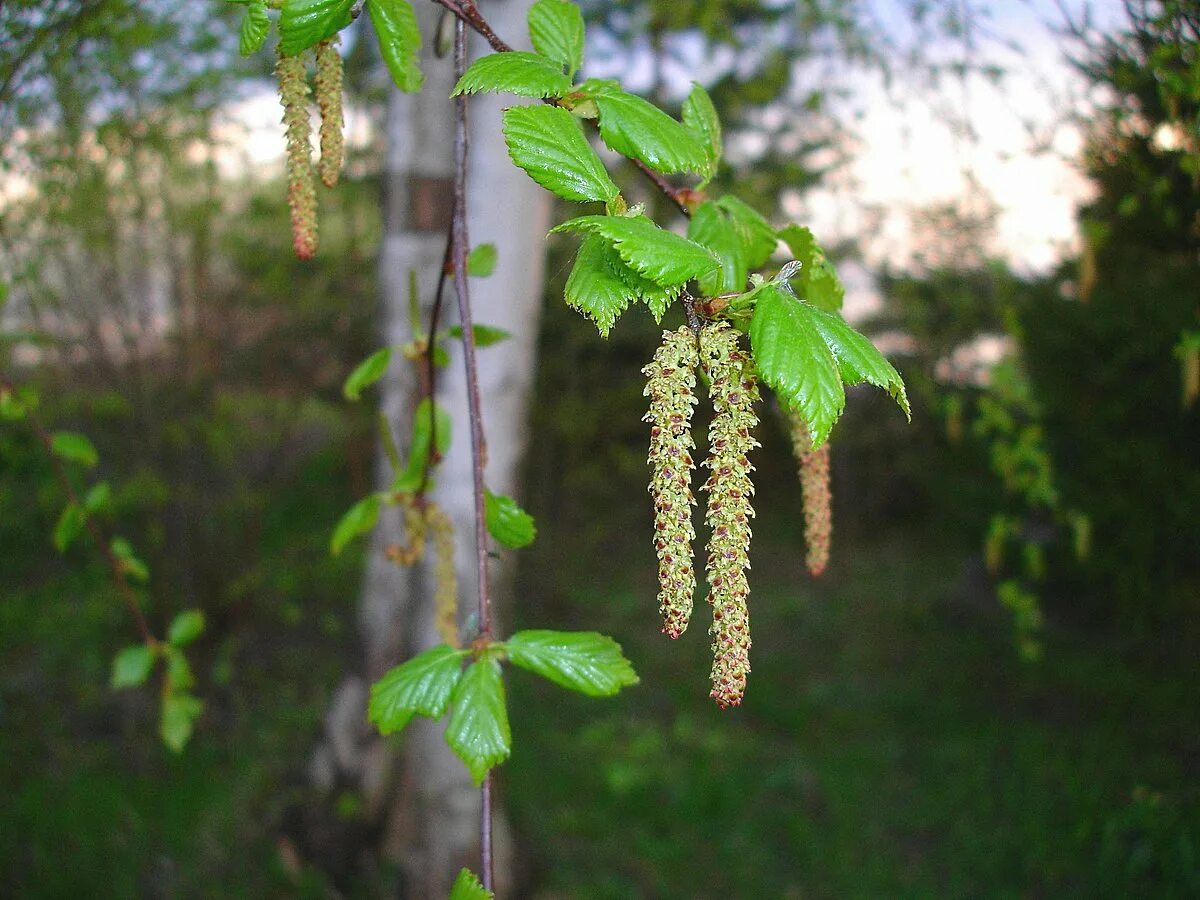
[(328, 84), (733, 391), (816, 494), (302, 192), (671, 387), (445, 593), (414, 526)]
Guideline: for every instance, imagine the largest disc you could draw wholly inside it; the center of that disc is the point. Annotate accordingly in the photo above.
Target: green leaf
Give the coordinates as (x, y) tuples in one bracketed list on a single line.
[(466, 885), (793, 358), (548, 143), (179, 714), (857, 358), (255, 24), (481, 261), (514, 72), (179, 671), (711, 227), (485, 335), (507, 522), (130, 564), (132, 666), (556, 29), (757, 234), (663, 257), (421, 686), (410, 479), (97, 497), (366, 373), (68, 527), (700, 118), (74, 447), (582, 661), (399, 41), (478, 728), (303, 23), (640, 130), (186, 627), (359, 519), (595, 287), (817, 281)]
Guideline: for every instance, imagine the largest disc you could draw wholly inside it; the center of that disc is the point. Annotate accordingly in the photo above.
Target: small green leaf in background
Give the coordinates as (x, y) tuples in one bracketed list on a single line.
[(366, 373), (485, 335), (662, 256), (255, 24), (132, 666), (421, 686), (466, 885), (507, 522), (130, 565), (74, 447), (594, 286), (478, 728), (582, 661), (700, 118), (793, 358), (15, 403), (548, 143), (399, 41), (70, 524), (514, 72), (818, 281), (303, 23), (179, 671), (481, 261), (758, 236), (359, 519), (640, 130), (711, 227), (179, 715), (410, 479), (97, 497), (186, 627), (556, 29), (858, 360)]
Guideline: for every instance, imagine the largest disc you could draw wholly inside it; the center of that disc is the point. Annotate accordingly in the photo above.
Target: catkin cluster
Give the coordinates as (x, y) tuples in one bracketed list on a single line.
[(816, 494), (733, 390), (302, 193), (671, 386), (328, 85), (427, 521)]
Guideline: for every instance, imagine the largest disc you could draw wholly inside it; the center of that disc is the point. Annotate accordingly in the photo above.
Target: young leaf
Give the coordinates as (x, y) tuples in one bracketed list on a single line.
[(640, 130), (514, 72), (418, 454), (359, 519), (74, 447), (68, 527), (857, 358), (179, 714), (556, 29), (712, 228), (132, 666), (186, 627), (700, 118), (582, 661), (478, 728), (481, 261), (254, 29), (757, 235), (662, 256), (507, 522), (421, 686), (548, 143), (466, 885), (130, 564), (303, 23), (793, 358), (657, 297), (97, 497), (179, 671), (366, 373), (399, 41), (594, 286), (818, 281), (485, 335)]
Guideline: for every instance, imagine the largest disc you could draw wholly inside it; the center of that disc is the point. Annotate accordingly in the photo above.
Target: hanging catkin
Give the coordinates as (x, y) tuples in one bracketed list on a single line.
[(816, 494), (671, 386), (302, 194), (733, 392), (328, 85), (445, 594)]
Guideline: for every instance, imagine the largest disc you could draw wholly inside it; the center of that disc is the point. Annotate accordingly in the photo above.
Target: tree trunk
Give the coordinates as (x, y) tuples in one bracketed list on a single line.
[(423, 801)]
